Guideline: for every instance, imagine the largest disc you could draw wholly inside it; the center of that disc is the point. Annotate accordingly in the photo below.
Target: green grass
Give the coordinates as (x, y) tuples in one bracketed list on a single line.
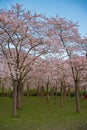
[(36, 114)]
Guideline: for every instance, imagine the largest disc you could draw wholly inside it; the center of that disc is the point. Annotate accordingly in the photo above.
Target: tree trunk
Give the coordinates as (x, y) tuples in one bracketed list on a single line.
[(19, 95), (64, 92), (77, 97), (52, 91), (47, 92), (68, 93), (14, 100), (55, 94), (61, 97), (42, 91)]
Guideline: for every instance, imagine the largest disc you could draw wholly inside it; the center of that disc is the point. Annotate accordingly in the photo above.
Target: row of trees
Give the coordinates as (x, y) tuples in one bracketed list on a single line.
[(47, 50)]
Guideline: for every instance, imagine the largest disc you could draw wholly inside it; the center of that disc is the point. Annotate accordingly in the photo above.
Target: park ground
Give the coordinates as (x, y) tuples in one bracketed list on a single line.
[(36, 114)]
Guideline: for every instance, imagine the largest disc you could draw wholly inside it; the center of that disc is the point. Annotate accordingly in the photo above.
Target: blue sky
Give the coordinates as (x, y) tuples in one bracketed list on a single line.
[(70, 9)]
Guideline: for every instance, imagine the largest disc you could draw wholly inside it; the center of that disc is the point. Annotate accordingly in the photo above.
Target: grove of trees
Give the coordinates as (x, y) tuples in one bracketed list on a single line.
[(41, 52)]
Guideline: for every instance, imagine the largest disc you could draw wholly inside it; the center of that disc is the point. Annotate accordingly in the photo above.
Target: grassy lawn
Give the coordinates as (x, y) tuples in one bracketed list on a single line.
[(36, 114)]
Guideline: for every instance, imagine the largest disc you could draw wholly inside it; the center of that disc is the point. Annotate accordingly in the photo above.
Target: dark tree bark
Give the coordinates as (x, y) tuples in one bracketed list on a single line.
[(47, 92), (55, 94), (14, 99), (64, 91), (77, 97), (19, 94), (62, 96), (42, 91)]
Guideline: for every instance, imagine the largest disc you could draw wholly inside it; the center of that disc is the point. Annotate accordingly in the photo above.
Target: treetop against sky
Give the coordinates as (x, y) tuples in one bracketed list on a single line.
[(70, 9)]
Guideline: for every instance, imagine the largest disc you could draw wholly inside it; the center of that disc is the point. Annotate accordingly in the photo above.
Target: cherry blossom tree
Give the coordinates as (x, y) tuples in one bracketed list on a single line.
[(66, 38), (21, 42), (42, 51), (4, 75), (83, 44)]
